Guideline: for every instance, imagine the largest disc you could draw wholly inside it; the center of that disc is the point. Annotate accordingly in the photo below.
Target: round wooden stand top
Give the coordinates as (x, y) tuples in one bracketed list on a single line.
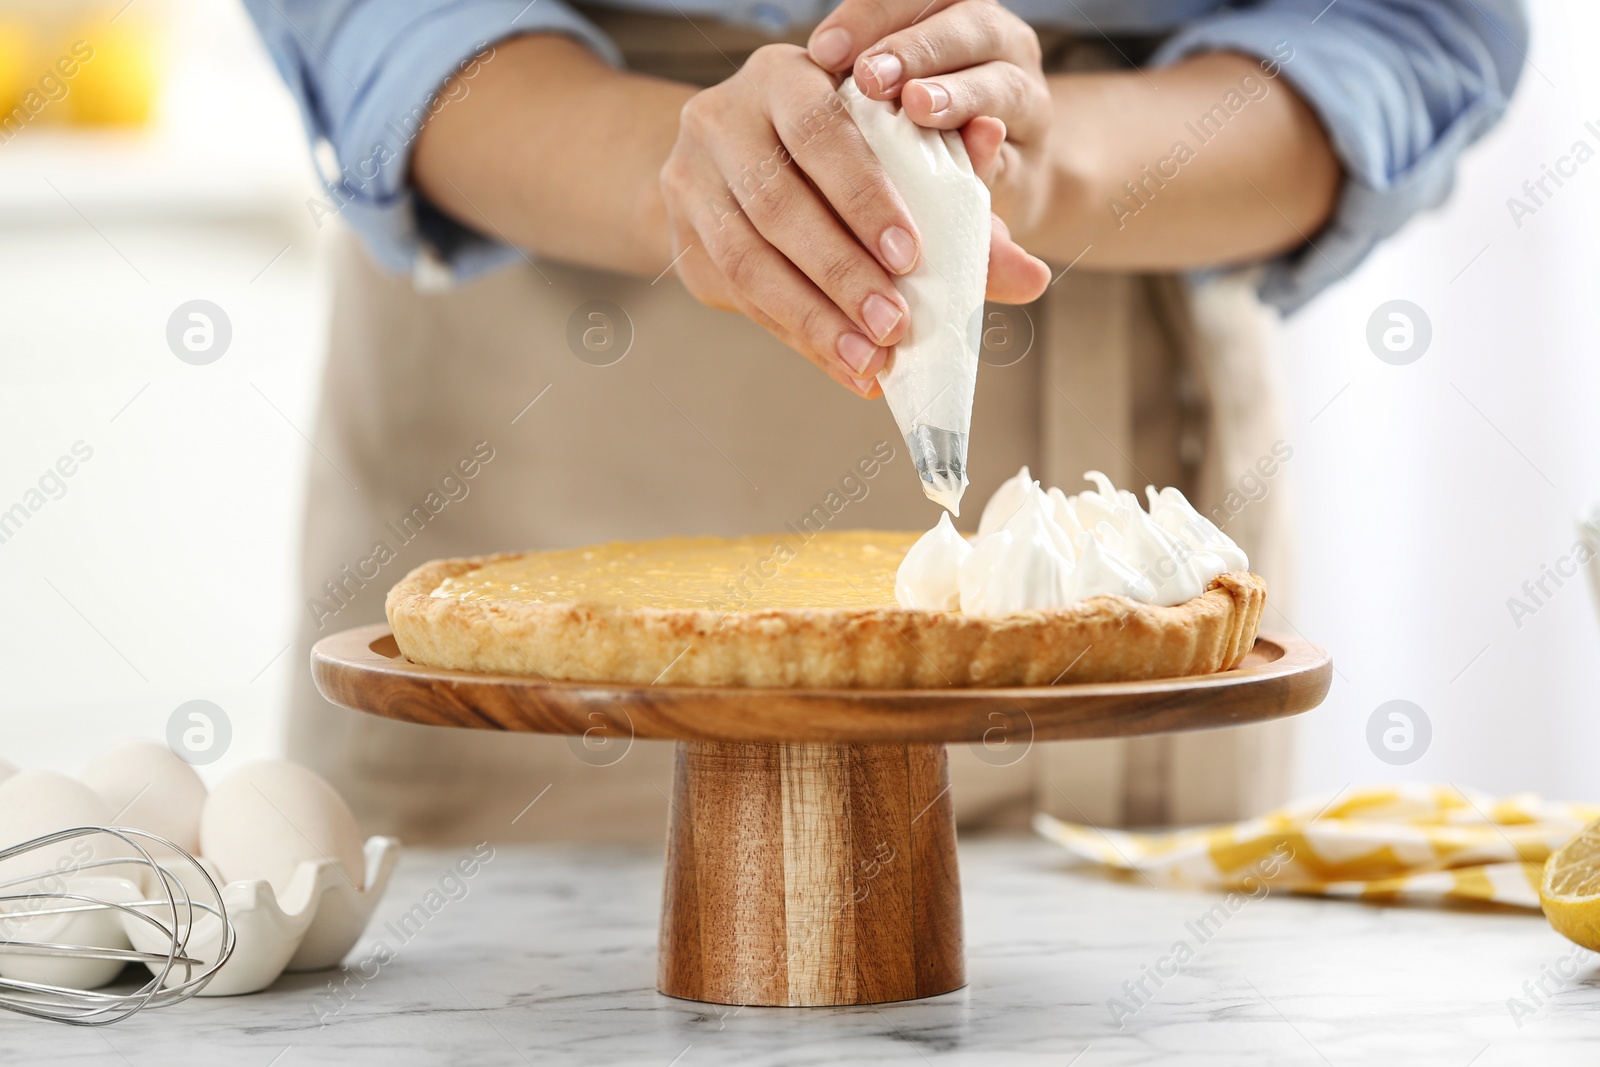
[(362, 669)]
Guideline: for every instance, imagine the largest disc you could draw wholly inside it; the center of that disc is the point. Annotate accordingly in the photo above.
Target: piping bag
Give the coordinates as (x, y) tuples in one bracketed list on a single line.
[(930, 380)]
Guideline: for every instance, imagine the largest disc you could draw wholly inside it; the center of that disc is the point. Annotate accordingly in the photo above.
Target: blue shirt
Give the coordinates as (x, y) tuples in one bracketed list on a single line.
[(1401, 86)]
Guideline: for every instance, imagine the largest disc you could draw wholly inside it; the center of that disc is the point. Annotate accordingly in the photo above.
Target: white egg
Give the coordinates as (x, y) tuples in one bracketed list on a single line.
[(151, 789), (34, 804), (267, 818)]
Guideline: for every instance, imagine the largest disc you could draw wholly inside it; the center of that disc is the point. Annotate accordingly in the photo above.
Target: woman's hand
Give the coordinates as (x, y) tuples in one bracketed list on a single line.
[(1084, 168), (967, 65), (778, 208)]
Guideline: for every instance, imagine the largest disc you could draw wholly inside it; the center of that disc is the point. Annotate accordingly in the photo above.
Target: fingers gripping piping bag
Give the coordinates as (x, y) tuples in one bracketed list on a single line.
[(929, 382)]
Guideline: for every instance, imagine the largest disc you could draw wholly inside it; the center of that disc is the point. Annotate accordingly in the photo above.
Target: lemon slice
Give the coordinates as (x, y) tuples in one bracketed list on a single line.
[(1570, 890)]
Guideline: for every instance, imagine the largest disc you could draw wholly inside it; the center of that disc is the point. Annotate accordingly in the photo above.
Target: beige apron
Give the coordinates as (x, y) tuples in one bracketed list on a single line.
[(706, 425)]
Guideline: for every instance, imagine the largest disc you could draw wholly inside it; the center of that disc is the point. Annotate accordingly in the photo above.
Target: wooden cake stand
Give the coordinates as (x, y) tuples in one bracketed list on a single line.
[(811, 842)]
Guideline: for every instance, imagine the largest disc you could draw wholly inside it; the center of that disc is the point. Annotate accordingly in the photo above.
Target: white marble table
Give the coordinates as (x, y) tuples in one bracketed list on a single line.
[(549, 958)]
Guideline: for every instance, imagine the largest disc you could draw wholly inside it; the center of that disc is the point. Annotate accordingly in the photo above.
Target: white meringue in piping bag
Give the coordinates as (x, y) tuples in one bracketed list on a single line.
[(930, 380), (1040, 551)]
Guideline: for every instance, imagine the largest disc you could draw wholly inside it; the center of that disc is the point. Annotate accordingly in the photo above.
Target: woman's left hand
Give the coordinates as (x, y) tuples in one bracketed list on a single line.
[(967, 65)]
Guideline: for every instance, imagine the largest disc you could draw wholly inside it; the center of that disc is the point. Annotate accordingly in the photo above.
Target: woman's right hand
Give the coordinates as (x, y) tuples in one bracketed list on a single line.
[(778, 209)]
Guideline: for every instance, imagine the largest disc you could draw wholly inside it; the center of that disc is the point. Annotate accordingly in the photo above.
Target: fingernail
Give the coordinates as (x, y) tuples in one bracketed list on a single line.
[(864, 384), (938, 99), (899, 250), (856, 351), (882, 315), (885, 70), (831, 47)]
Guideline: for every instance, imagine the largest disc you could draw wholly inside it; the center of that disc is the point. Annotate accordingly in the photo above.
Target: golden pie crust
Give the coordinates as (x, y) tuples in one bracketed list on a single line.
[(639, 613)]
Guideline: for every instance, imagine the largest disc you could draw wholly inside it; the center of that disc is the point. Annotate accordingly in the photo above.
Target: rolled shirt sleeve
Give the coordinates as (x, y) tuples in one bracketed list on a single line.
[(1402, 88), (366, 75)]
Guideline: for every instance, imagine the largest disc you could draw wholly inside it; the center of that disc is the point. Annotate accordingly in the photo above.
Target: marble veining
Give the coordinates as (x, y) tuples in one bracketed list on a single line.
[(547, 956)]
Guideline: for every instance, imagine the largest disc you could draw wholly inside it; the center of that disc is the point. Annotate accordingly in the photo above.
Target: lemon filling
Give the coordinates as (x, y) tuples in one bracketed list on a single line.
[(845, 569)]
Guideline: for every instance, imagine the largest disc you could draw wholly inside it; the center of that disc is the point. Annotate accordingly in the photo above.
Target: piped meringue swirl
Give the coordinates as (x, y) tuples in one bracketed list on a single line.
[(927, 576), (1038, 550), (1020, 567)]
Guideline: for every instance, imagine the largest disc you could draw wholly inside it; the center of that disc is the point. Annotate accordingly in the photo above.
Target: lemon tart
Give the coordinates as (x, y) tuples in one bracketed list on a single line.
[(785, 611)]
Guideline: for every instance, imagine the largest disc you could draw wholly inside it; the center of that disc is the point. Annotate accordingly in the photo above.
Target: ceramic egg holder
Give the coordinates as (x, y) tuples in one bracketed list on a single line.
[(312, 927), (811, 836), (77, 899)]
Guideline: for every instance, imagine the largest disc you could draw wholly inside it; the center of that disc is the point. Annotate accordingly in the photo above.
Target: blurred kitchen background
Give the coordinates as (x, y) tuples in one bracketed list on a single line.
[(173, 169)]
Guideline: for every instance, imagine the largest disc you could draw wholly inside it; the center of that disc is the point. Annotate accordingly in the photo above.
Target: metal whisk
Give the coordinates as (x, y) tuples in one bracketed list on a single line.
[(163, 921)]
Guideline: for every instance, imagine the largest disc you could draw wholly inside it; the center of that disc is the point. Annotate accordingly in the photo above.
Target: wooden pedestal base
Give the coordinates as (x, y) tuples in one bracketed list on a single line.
[(813, 859), (810, 874)]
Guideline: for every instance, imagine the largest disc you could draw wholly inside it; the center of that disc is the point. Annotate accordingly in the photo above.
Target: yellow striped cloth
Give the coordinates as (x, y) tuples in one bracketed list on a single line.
[(1425, 843)]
